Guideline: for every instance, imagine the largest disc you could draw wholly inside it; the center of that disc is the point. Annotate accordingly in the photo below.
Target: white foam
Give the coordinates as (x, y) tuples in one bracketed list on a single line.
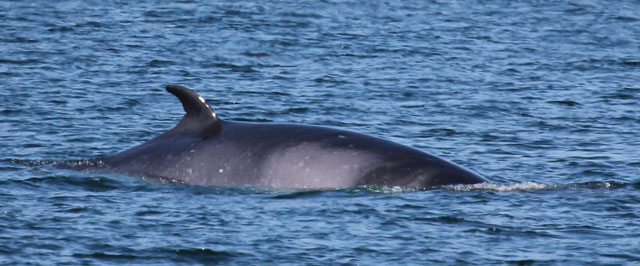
[(526, 186)]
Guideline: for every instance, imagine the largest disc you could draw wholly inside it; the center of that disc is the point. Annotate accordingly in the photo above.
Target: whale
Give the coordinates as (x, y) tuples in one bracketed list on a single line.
[(203, 149)]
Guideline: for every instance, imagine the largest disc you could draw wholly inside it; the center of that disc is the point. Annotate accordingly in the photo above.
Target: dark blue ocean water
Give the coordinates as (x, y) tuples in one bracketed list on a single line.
[(540, 97)]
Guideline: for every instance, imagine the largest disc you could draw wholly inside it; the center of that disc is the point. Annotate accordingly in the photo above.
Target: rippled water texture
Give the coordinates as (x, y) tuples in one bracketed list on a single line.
[(540, 97)]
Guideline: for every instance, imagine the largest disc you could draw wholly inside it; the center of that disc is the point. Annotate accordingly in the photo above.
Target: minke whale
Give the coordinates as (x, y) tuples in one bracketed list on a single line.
[(203, 149)]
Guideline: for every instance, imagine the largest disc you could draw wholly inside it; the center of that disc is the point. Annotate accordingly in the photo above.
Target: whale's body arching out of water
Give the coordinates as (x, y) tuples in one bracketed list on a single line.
[(205, 150)]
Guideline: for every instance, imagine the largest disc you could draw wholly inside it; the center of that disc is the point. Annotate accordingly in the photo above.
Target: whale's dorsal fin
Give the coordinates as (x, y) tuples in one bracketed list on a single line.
[(199, 119)]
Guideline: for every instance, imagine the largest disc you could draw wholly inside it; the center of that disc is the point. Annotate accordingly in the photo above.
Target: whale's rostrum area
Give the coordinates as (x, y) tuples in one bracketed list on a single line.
[(203, 149)]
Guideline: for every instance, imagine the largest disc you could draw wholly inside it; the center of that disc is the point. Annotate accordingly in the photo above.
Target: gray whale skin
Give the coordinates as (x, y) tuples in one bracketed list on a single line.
[(206, 150)]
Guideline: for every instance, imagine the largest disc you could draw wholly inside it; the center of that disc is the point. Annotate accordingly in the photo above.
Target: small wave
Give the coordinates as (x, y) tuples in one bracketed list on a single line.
[(106, 256), (75, 164), (385, 189), (333, 192), (526, 186), (94, 184), (298, 194), (533, 186), (202, 255), (188, 255), (65, 174)]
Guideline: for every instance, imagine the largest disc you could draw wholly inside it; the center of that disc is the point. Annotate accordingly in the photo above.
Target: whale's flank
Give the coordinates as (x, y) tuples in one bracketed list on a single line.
[(203, 149)]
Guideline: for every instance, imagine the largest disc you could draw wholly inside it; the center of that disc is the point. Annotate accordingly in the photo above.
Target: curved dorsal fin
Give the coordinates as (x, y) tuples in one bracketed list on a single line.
[(199, 119)]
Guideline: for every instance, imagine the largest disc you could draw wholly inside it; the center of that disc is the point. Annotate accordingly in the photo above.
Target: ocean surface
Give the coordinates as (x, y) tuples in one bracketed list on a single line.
[(540, 97)]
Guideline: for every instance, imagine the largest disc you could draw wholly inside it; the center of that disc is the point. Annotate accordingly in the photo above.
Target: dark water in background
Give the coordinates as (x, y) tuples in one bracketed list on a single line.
[(541, 97)]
